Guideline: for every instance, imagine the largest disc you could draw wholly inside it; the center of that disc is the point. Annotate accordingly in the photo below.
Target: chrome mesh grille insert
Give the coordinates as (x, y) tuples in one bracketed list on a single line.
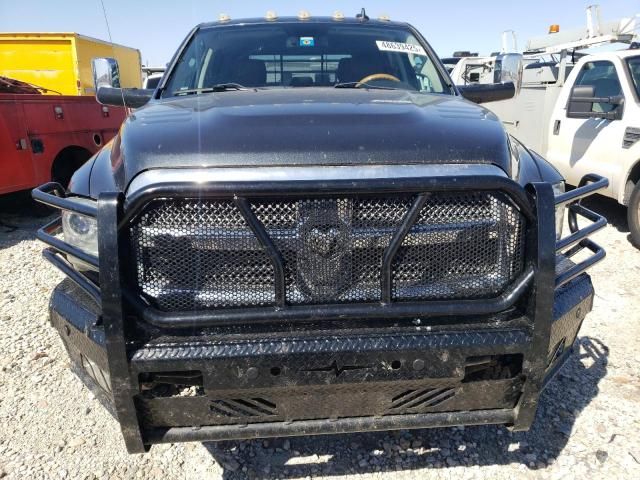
[(192, 255), (462, 246), (199, 254)]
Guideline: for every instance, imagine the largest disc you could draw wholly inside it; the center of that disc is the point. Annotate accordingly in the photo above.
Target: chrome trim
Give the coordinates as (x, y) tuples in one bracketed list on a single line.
[(305, 173)]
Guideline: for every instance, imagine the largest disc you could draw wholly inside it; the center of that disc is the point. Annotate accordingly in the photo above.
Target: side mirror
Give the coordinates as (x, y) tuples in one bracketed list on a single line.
[(508, 68), (582, 99), (507, 80), (487, 92), (106, 81), (124, 97), (105, 73)]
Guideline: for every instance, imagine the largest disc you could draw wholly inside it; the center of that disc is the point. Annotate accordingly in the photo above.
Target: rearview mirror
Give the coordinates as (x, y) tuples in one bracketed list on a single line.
[(487, 92), (105, 73), (582, 100)]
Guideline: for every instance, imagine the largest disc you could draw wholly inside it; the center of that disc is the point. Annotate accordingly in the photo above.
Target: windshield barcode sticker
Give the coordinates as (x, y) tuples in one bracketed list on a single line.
[(385, 46)]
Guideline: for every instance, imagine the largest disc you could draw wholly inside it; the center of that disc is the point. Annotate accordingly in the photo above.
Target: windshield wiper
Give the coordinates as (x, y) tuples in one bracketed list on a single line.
[(220, 87), (362, 85)]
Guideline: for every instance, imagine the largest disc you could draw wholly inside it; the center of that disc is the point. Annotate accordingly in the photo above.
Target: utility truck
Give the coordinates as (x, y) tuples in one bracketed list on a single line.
[(152, 77), (48, 137), (50, 122), (578, 109)]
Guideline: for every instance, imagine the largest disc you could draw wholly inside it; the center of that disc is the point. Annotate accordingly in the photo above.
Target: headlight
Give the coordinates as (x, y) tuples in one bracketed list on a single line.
[(558, 189), (80, 231)]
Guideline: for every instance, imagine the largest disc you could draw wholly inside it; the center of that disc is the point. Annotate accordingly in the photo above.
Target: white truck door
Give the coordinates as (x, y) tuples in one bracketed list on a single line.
[(580, 146)]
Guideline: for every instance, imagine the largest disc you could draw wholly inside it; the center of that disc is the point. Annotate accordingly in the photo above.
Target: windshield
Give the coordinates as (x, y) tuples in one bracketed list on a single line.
[(305, 55), (634, 67)]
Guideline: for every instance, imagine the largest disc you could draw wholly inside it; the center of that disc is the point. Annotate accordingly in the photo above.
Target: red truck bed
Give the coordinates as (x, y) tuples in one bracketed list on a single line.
[(44, 137)]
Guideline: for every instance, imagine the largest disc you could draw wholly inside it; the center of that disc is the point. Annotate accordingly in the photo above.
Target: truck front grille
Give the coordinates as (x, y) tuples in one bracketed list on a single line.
[(199, 254)]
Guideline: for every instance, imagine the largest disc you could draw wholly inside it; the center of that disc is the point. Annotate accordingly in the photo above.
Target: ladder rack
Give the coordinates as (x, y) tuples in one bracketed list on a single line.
[(596, 33)]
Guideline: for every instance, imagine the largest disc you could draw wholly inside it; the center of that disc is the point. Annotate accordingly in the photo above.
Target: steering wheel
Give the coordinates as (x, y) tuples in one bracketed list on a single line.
[(377, 76)]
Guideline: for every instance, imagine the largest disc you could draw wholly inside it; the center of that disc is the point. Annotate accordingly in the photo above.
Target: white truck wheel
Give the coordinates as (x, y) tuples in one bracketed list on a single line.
[(633, 215)]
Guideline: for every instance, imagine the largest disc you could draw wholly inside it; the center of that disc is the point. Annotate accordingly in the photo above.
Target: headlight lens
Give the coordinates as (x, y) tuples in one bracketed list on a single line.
[(80, 231), (558, 189)]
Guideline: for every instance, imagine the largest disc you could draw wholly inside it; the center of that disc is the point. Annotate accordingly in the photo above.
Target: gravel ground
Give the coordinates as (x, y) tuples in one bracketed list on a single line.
[(588, 421)]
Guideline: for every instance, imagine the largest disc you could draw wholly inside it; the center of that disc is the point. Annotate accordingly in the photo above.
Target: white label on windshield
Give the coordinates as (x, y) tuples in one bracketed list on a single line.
[(385, 46)]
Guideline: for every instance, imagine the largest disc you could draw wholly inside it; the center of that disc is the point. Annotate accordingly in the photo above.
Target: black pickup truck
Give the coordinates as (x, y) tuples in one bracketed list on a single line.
[(307, 229)]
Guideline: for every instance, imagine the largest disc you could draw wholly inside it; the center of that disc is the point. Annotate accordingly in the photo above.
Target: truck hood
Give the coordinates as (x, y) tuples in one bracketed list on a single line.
[(307, 126)]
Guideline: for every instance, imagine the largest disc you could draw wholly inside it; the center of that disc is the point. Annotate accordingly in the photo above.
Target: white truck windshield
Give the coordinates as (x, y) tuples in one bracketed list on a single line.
[(305, 55)]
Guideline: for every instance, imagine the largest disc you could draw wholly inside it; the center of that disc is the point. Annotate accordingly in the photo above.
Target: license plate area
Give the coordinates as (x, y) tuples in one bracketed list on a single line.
[(288, 388)]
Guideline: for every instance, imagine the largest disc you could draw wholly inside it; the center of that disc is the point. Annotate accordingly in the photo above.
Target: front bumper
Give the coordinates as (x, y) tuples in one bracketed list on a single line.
[(325, 382), (466, 367)]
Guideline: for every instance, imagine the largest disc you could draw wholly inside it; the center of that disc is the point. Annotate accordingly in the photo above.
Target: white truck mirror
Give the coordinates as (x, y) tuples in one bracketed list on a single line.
[(508, 68), (582, 100)]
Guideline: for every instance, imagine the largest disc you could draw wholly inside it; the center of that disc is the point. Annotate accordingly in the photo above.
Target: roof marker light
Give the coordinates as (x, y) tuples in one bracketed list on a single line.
[(554, 28), (271, 16), (338, 15), (304, 15), (384, 18), (223, 17)]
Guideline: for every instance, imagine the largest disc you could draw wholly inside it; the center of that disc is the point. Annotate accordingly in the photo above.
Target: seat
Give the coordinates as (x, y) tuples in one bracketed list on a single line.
[(249, 72), (346, 71), (355, 69), (323, 79)]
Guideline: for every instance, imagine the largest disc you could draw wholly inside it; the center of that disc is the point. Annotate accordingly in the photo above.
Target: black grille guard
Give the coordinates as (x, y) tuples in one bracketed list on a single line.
[(195, 254), (541, 251), (53, 195)]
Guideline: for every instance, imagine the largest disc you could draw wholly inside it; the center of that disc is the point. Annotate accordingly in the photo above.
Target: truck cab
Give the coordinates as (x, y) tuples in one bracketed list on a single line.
[(609, 146)]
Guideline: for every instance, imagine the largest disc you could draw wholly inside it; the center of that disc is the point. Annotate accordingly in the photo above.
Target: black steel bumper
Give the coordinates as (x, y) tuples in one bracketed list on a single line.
[(485, 363)]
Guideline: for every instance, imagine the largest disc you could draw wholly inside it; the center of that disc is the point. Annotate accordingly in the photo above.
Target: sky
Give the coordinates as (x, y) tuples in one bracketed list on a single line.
[(157, 28)]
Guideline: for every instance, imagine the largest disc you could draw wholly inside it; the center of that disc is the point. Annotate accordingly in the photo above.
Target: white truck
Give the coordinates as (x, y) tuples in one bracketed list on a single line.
[(581, 111), (152, 77)]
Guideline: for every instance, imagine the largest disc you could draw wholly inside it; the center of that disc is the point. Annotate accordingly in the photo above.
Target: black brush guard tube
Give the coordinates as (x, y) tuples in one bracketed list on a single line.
[(536, 202)]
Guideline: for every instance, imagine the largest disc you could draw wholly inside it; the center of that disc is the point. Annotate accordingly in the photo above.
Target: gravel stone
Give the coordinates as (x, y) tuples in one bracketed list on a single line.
[(76, 442)]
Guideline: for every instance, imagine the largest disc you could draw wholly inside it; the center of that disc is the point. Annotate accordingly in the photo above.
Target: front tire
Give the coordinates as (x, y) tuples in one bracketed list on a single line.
[(633, 215)]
